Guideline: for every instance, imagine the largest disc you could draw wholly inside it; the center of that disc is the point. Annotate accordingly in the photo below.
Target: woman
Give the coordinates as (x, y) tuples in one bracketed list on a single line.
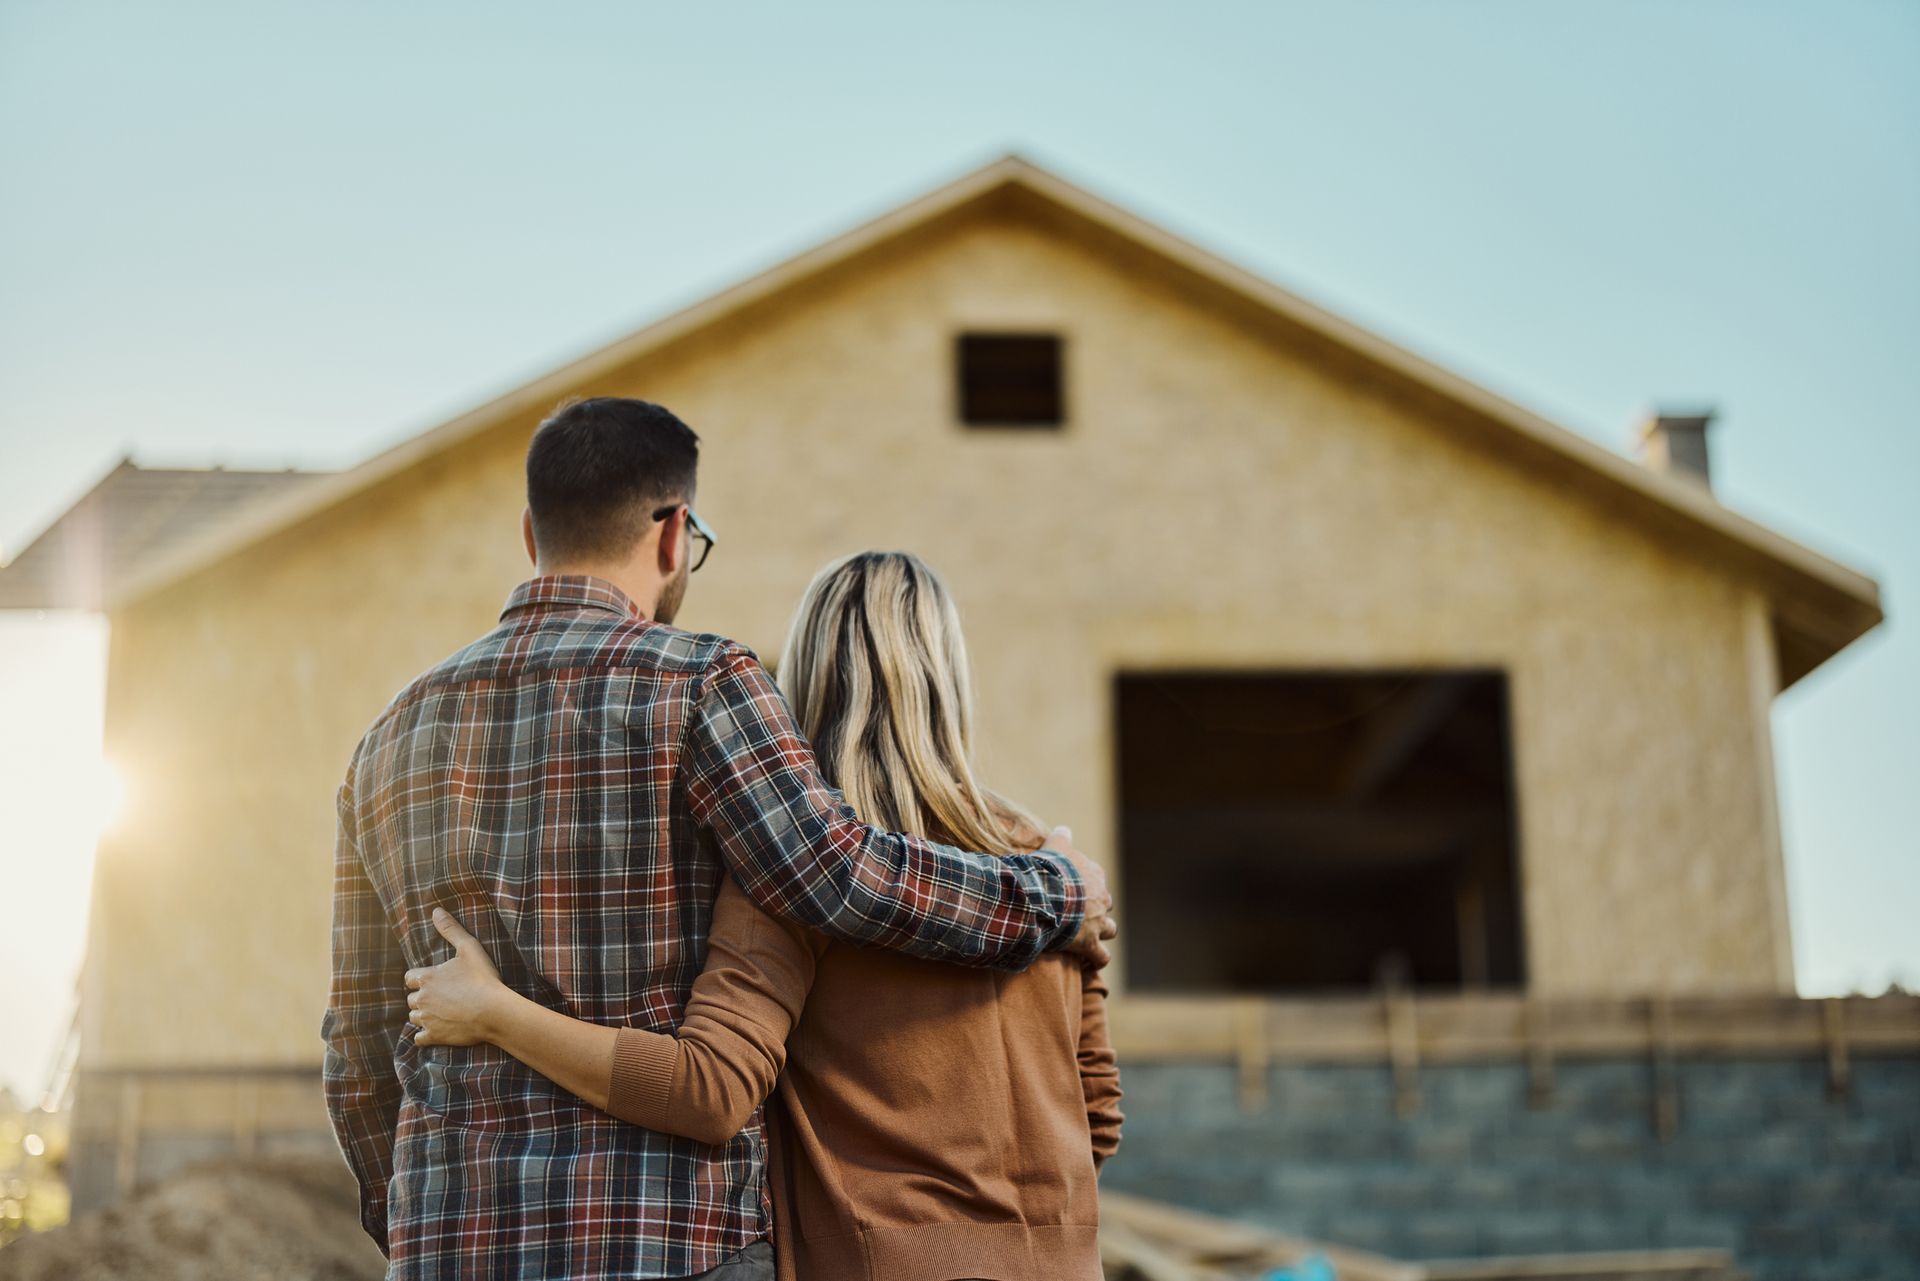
[(933, 1123)]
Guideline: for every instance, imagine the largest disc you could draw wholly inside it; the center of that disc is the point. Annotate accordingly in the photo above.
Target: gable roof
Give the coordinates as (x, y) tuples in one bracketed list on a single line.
[(1819, 605), (131, 518)]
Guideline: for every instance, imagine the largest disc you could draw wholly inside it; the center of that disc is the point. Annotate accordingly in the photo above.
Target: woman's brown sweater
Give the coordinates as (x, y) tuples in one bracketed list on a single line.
[(932, 1122)]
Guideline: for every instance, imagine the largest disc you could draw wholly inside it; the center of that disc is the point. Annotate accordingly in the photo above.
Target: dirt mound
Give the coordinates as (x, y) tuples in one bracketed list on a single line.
[(287, 1218)]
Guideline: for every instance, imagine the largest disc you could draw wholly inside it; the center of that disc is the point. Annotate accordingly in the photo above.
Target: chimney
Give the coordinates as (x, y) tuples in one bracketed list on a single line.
[(1676, 443)]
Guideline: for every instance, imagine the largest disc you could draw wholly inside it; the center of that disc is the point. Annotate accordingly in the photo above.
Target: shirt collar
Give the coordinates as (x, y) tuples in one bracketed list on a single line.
[(569, 591)]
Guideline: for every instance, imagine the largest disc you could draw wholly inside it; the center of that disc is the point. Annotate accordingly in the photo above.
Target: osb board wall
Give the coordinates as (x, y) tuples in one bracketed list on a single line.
[(1214, 501)]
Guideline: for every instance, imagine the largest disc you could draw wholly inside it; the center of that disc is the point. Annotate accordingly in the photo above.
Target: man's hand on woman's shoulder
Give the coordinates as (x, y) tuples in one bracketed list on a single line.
[(1097, 928)]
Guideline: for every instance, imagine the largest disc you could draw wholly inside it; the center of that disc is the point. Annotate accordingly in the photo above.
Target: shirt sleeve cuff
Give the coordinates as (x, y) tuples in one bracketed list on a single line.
[(642, 1082), (1069, 900)]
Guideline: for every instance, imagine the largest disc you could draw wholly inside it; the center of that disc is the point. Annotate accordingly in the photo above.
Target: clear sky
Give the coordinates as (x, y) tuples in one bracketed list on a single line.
[(269, 234)]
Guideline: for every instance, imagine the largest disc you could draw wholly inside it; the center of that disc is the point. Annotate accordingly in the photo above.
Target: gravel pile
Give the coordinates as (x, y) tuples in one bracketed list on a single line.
[(260, 1219)]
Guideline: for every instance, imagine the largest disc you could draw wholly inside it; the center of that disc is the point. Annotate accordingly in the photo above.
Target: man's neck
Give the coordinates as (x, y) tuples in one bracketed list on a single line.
[(644, 592)]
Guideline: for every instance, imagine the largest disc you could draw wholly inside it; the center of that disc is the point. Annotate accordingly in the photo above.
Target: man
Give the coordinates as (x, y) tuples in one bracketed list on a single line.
[(573, 786)]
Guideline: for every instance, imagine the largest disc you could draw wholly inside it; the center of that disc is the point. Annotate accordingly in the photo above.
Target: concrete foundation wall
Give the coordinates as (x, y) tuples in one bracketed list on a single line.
[(1799, 1186)]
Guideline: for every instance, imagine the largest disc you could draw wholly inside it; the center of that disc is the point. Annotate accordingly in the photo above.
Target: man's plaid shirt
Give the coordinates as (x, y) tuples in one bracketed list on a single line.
[(573, 786)]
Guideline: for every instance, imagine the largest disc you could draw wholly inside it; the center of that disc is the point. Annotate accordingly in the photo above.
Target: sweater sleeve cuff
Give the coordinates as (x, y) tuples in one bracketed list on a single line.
[(642, 1082)]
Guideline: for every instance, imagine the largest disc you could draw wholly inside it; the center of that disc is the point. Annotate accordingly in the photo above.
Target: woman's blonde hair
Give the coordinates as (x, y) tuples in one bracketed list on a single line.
[(875, 669)]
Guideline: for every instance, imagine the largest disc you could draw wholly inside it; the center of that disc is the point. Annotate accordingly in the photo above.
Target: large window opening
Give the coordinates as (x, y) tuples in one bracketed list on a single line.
[(1318, 831)]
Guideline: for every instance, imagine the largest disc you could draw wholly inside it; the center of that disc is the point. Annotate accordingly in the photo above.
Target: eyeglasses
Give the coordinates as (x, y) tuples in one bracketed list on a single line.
[(700, 531)]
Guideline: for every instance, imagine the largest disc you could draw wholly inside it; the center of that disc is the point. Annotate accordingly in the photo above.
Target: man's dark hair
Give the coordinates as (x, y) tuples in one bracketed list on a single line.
[(598, 469)]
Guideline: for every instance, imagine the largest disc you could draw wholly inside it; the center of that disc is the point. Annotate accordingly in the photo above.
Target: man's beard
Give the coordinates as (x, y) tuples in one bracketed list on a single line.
[(670, 597)]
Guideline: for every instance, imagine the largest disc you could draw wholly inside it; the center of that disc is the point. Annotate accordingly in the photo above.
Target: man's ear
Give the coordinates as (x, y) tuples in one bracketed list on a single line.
[(526, 535), (673, 543)]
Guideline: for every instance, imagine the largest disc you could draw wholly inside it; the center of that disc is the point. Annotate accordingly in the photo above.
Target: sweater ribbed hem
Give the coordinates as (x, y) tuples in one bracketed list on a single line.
[(943, 1251), (642, 1081)]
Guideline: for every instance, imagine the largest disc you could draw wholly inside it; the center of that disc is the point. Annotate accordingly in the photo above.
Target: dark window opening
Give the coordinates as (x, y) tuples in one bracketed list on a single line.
[(1010, 380), (1318, 831)]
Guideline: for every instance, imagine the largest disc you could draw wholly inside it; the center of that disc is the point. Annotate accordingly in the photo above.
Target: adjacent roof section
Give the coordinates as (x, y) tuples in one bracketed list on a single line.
[(132, 518), (1818, 605)]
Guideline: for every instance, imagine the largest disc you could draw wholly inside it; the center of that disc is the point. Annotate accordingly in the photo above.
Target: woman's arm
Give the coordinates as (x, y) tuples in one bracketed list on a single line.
[(703, 1082), (1099, 1071)]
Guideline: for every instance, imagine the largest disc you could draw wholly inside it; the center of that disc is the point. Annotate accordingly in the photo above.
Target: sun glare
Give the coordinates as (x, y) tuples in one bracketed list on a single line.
[(57, 795), (109, 796), (80, 802)]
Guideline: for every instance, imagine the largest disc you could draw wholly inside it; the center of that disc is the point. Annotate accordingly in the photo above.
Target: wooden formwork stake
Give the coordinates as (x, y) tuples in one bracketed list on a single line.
[(1403, 1047), (246, 1119), (1833, 1027), (1253, 1047), (1666, 1085), (126, 1154), (1539, 1053)]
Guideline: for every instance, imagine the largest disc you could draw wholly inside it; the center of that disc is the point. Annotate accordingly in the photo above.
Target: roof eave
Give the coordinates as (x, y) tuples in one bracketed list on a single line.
[(542, 392), (1827, 604)]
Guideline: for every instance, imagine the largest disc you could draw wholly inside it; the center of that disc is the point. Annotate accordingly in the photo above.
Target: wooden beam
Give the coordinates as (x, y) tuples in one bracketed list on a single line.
[(1666, 1085), (1403, 1050), (1539, 1036), (1839, 1061), (1469, 1027), (126, 1150), (1255, 1052)]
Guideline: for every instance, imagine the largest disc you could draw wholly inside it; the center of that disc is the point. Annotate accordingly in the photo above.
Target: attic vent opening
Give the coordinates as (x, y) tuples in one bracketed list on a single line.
[(1010, 380), (1318, 831)]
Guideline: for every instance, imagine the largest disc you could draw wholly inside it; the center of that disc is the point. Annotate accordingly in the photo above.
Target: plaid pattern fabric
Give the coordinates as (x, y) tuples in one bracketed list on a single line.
[(573, 786)]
